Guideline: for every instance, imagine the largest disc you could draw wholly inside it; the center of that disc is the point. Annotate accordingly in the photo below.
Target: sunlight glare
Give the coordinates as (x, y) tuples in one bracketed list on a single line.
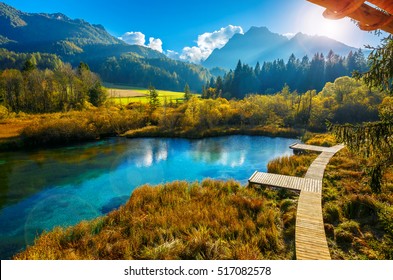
[(330, 28), (312, 22)]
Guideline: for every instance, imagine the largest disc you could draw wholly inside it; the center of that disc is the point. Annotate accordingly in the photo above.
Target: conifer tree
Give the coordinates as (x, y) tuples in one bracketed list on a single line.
[(187, 92), (373, 140), (154, 102)]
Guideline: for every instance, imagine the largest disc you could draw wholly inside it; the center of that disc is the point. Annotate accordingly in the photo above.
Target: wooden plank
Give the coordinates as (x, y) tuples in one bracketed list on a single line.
[(281, 181), (310, 238), (252, 176)]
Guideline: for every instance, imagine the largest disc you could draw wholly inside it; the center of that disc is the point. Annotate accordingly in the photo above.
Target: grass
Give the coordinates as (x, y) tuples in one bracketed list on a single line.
[(222, 220), (156, 131), (12, 128), (79, 126), (324, 140), (180, 220), (357, 220), (296, 165), (123, 95)]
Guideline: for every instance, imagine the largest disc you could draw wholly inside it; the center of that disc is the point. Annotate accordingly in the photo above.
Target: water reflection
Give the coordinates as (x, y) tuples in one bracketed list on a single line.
[(222, 151), (154, 151), (46, 188)]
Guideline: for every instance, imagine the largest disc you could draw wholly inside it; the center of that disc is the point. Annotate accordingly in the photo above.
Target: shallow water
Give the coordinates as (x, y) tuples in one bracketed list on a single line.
[(60, 187)]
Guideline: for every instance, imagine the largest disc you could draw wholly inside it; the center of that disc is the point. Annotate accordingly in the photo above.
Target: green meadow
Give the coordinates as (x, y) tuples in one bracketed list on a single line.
[(123, 95)]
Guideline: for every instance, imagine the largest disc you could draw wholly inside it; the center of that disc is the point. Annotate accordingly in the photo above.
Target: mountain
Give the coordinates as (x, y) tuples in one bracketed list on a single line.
[(56, 33), (75, 40), (260, 44)]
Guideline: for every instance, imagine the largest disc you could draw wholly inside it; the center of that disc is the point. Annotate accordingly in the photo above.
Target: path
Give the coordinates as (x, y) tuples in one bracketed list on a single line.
[(310, 238)]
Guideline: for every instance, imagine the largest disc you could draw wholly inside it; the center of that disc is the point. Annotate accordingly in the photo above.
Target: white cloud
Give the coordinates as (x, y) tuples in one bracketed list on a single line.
[(155, 44), (193, 54), (138, 38), (207, 42), (289, 35), (133, 38), (172, 54)]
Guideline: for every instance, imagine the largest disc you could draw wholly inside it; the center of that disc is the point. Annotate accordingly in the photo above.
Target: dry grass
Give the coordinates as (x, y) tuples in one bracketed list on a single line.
[(296, 165), (358, 221), (180, 220), (324, 140), (12, 128), (78, 126)]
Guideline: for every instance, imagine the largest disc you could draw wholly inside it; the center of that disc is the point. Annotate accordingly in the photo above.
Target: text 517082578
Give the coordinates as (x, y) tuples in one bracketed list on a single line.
[(244, 271), (181, 271)]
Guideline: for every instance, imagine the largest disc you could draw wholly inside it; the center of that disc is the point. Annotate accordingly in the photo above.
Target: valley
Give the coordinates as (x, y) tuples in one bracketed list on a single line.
[(122, 147)]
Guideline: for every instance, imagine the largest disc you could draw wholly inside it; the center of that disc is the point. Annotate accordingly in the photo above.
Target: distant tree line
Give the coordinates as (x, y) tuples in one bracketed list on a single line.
[(163, 73), (12, 60), (131, 69), (300, 75), (33, 90), (344, 101)]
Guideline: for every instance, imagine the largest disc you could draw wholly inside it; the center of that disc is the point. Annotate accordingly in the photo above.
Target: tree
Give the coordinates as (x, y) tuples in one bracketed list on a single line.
[(187, 93), (373, 140), (12, 88), (29, 65), (154, 102), (82, 67), (317, 72), (97, 95)]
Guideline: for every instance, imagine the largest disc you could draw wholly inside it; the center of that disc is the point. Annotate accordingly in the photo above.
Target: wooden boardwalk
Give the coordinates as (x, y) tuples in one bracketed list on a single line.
[(287, 182), (312, 148), (310, 238)]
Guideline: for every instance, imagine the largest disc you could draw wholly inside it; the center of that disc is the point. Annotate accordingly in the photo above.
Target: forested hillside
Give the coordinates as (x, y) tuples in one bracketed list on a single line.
[(74, 41), (259, 44), (299, 74)]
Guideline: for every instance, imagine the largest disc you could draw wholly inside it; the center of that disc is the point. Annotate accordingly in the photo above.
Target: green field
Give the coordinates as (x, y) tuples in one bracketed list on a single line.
[(122, 94)]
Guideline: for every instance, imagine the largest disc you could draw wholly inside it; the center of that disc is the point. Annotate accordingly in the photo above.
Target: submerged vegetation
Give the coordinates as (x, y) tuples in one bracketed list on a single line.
[(180, 220)]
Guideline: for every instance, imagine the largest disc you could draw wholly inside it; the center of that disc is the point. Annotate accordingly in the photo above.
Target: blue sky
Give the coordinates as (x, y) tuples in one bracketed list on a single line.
[(174, 25)]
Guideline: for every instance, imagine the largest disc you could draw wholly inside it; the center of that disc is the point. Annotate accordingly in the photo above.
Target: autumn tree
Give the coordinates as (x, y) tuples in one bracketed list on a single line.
[(373, 140)]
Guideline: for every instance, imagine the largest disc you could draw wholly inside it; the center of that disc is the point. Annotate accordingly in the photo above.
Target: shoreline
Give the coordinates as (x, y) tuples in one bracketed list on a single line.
[(22, 144)]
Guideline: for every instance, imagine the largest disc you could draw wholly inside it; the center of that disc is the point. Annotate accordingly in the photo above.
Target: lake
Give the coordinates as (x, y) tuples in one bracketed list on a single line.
[(60, 187)]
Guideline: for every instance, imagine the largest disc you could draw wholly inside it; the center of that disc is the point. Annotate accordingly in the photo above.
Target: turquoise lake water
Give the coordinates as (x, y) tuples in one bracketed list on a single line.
[(60, 187)]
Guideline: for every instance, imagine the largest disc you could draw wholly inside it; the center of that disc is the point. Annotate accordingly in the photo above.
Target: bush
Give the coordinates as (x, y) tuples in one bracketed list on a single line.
[(58, 131), (3, 112)]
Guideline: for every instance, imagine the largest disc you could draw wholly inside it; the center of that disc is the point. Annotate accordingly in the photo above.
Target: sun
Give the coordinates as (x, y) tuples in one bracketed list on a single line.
[(330, 28), (311, 21)]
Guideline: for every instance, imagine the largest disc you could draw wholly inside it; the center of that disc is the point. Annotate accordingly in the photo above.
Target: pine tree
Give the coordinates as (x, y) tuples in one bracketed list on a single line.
[(154, 102), (29, 65), (187, 92)]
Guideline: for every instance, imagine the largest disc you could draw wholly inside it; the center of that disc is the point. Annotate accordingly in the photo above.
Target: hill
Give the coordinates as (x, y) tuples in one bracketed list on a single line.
[(75, 40), (259, 44)]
